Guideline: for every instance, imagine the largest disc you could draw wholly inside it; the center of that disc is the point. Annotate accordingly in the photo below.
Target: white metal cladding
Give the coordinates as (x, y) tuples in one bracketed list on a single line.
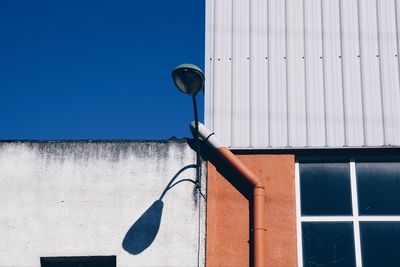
[(303, 73)]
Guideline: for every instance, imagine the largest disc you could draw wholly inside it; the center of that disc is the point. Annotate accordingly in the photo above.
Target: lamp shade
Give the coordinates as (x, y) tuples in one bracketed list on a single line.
[(188, 78)]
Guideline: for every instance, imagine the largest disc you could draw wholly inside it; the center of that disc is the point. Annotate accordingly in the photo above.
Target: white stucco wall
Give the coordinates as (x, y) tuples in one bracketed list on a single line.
[(81, 198)]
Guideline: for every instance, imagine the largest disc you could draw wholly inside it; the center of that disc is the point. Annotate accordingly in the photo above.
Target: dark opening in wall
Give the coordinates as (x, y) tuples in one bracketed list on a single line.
[(88, 261)]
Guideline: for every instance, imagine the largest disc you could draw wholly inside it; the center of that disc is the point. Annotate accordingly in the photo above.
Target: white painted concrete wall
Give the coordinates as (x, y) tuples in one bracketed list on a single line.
[(81, 198)]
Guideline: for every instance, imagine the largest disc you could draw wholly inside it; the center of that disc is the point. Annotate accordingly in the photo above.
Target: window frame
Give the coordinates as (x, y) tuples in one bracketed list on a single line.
[(355, 218), (52, 260)]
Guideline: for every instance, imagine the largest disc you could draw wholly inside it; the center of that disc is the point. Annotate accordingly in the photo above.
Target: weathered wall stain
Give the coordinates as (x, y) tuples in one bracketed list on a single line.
[(112, 150), (79, 198)]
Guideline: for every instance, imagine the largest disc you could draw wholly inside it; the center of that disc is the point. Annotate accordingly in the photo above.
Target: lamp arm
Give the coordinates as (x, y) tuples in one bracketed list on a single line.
[(196, 136)]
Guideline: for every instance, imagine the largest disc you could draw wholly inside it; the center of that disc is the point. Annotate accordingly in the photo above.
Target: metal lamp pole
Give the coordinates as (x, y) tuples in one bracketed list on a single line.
[(196, 121)]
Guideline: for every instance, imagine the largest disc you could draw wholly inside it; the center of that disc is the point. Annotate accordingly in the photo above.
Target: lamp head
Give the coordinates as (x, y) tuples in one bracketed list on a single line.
[(188, 78)]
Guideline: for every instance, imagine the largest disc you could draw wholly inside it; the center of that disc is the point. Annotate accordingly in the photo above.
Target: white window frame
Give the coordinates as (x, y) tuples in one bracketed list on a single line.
[(355, 218)]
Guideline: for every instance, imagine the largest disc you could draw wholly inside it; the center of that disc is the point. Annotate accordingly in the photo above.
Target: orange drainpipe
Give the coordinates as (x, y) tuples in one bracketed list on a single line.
[(258, 190)]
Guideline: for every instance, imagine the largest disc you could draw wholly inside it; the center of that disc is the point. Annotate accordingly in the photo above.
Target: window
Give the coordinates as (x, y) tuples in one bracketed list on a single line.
[(94, 261), (348, 214)]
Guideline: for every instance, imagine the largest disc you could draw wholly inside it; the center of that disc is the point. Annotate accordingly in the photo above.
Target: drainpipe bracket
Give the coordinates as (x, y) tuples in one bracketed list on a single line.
[(257, 229)]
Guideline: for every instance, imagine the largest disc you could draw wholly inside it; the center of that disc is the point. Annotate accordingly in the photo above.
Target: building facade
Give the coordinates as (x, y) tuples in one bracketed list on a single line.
[(306, 93), (100, 204)]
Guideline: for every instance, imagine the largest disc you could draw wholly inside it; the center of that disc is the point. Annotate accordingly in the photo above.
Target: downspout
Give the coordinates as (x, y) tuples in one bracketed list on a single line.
[(258, 190)]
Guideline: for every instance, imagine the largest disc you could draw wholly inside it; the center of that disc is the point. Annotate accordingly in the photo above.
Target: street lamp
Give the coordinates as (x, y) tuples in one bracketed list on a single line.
[(190, 80)]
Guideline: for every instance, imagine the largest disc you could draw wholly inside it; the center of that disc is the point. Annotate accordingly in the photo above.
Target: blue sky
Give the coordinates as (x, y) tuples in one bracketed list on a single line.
[(76, 69)]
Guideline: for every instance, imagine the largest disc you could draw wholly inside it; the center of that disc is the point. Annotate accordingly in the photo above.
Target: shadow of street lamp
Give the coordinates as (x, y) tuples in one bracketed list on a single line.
[(188, 79)]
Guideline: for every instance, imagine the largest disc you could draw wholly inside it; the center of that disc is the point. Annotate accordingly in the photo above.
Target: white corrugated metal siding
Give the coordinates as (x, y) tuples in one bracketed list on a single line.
[(303, 73)]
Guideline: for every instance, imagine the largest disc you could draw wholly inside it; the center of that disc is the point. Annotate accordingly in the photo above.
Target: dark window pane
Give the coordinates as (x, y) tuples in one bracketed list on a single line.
[(328, 244), (380, 243), (94, 261), (325, 189), (378, 188)]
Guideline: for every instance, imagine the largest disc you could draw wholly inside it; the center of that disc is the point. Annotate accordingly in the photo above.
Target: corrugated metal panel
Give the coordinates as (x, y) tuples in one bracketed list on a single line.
[(303, 73), (351, 74), (209, 69), (370, 68), (259, 119), (277, 73), (332, 65), (297, 127), (222, 69), (389, 71), (241, 89), (315, 90)]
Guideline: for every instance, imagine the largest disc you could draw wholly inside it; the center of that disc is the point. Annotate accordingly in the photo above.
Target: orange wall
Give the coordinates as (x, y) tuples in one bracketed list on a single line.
[(228, 214)]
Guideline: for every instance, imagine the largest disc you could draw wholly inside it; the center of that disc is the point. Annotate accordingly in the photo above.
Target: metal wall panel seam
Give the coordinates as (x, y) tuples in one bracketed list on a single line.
[(214, 89), (216, 81), (397, 54), (224, 73), (248, 141), (241, 74), (342, 73), (213, 70), (305, 76), (324, 71), (380, 74), (269, 72), (212, 104), (231, 74), (250, 69), (209, 68), (287, 83), (361, 73), (295, 73), (370, 55), (262, 73), (314, 72), (352, 77), (397, 38), (279, 90), (213, 64), (269, 75), (264, 83), (266, 64), (332, 70), (394, 95), (232, 63), (206, 58), (278, 74), (388, 58), (258, 61), (223, 92)]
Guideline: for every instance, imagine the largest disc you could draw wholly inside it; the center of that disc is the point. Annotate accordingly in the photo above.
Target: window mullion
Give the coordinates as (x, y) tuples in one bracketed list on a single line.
[(298, 217), (356, 222)]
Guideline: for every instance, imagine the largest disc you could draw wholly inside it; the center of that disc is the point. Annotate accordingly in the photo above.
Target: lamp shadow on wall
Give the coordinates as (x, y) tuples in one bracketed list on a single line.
[(144, 231)]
